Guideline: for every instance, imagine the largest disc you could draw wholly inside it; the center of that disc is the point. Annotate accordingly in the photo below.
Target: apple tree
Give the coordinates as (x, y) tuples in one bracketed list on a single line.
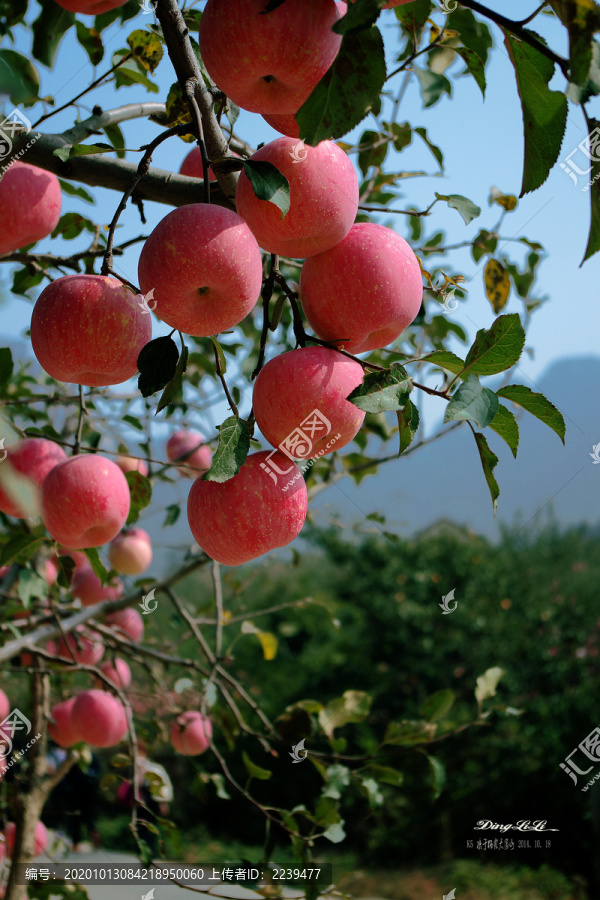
[(269, 289)]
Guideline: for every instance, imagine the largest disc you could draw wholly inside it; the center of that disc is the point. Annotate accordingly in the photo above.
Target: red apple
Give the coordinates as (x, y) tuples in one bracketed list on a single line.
[(300, 404), (389, 5), (130, 464), (100, 717), (365, 291), (40, 838), (63, 729), (284, 123), (190, 442), (205, 268), (89, 329), (268, 62), (88, 650), (32, 459), (129, 622), (90, 7), (118, 672), (50, 571), (323, 198), (240, 519), (131, 551), (4, 706), (192, 165), (85, 501), (89, 589), (191, 733), (30, 200)]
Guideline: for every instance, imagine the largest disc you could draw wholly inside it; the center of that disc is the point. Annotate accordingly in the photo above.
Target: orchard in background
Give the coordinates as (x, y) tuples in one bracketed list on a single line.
[(275, 293)]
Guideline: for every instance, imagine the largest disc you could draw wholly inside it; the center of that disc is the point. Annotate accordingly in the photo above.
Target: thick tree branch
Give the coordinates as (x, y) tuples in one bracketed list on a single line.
[(187, 69)]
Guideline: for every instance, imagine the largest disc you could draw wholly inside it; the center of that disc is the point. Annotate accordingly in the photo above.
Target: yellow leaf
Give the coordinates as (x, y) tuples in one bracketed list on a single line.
[(267, 640), (146, 47), (506, 201), (497, 285)]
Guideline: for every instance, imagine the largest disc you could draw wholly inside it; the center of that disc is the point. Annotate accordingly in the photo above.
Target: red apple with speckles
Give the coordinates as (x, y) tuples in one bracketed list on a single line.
[(30, 200), (88, 588), (323, 198), (131, 552), (205, 268), (63, 728), (192, 165), (248, 515), (89, 329), (191, 733), (300, 404), (85, 501), (197, 461), (363, 292), (100, 718), (130, 464), (127, 621), (268, 62), (31, 459), (284, 123), (118, 672)]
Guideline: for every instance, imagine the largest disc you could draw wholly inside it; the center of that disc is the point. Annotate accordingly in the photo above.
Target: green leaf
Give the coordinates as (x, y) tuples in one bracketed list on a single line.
[(537, 405), (172, 514), (135, 423), (24, 281), (383, 391), (408, 424), (146, 48), (335, 833), (348, 90), (593, 244), (498, 348), (439, 156), (73, 191), (505, 425), (6, 364), (66, 567), (437, 705), (474, 34), (582, 19), (474, 66), (487, 683), (360, 15), (268, 183), (71, 225), (26, 544), (234, 444), (432, 86), (372, 790), (140, 491), (174, 386), (48, 30), (89, 149), (438, 776), (484, 244), (409, 733), (253, 770), (128, 74), (337, 777), (414, 16), (352, 706), (30, 585), (544, 111), (157, 364), (497, 284), (18, 78), (220, 354), (116, 138), (474, 402), (386, 774), (447, 360), (489, 461), (91, 41), (371, 155), (467, 209), (96, 564)]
